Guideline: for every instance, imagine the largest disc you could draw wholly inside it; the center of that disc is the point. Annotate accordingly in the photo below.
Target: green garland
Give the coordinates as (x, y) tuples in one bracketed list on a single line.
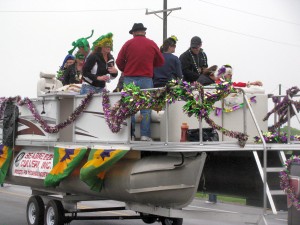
[(134, 99)]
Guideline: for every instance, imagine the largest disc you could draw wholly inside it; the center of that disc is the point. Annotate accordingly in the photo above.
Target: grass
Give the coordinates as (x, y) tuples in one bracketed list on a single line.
[(223, 198)]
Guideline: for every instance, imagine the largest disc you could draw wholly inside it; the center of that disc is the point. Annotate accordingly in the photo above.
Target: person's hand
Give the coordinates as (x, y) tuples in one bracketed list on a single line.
[(103, 78), (256, 83), (112, 69), (210, 70)]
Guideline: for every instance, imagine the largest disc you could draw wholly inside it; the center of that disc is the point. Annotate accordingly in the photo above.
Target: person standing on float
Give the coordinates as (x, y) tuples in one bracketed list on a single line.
[(137, 59), (99, 67), (172, 66)]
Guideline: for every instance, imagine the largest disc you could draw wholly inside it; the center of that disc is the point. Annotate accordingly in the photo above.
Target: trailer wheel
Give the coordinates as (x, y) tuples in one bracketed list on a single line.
[(148, 218), (35, 210), (55, 213), (171, 221)]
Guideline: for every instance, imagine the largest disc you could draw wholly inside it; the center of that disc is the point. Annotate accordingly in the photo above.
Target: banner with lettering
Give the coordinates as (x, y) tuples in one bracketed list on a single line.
[(100, 160), (5, 157), (64, 162), (33, 163)]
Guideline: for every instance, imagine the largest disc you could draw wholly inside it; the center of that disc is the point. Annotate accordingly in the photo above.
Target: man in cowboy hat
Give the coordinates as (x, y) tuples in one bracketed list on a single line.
[(137, 59)]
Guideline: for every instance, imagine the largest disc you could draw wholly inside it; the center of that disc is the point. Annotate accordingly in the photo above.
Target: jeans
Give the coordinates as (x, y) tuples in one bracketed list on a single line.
[(143, 83), (212, 198), (86, 88)]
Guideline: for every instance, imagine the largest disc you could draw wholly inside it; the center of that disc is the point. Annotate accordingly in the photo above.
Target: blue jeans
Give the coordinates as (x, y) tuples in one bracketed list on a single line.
[(86, 88), (143, 83)]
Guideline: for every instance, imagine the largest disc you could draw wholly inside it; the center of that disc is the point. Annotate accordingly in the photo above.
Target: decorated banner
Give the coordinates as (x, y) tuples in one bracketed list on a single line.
[(93, 172), (5, 157), (64, 162), (32, 163)]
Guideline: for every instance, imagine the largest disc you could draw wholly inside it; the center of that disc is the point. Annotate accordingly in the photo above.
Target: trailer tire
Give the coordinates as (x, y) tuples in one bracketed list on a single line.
[(35, 210), (148, 218), (171, 221), (55, 213)]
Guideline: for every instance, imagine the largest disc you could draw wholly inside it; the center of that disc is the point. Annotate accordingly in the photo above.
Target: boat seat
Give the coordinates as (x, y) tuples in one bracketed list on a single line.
[(47, 83), (156, 119)]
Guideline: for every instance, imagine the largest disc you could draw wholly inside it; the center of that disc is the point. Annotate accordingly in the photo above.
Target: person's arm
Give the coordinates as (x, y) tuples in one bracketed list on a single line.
[(178, 68), (243, 84), (239, 84), (112, 69), (256, 83), (87, 68), (72, 75), (66, 77), (121, 60), (159, 59)]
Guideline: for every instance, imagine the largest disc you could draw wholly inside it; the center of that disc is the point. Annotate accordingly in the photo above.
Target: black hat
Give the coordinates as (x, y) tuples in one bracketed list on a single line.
[(195, 42), (137, 27)]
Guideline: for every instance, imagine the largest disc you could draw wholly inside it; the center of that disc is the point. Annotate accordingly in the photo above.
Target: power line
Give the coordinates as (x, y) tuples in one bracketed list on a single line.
[(69, 11), (250, 13), (239, 33)]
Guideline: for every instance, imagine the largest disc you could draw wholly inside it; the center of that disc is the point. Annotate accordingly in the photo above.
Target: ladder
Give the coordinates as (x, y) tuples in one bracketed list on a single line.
[(270, 193)]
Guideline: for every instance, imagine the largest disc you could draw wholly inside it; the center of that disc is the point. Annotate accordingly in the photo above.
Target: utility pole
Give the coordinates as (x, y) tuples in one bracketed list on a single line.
[(165, 12)]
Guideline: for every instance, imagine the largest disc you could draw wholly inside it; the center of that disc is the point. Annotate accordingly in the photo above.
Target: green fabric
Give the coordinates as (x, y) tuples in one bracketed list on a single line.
[(99, 161), (64, 162), (5, 158)]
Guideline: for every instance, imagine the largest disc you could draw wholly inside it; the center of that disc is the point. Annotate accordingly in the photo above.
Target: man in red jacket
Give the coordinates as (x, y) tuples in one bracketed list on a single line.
[(137, 59)]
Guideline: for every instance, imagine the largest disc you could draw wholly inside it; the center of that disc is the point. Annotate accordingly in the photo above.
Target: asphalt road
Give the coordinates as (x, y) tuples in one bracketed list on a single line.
[(13, 201)]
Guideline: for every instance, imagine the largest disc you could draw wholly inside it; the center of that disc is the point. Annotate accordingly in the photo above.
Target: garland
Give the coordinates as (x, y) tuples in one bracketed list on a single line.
[(271, 137), (49, 129), (281, 108), (133, 99), (218, 110), (285, 181)]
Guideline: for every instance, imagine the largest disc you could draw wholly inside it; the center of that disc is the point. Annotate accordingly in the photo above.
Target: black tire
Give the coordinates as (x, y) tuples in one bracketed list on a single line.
[(35, 210), (171, 221), (54, 214), (148, 218)]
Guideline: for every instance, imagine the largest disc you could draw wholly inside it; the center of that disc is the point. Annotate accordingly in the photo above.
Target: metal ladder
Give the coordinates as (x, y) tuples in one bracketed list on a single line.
[(270, 193)]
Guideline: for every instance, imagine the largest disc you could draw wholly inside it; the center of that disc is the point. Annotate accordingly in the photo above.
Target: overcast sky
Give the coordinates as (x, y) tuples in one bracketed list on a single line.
[(259, 38)]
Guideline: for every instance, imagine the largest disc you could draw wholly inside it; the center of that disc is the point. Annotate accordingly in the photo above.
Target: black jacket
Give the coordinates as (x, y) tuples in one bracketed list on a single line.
[(71, 75), (189, 69), (97, 60)]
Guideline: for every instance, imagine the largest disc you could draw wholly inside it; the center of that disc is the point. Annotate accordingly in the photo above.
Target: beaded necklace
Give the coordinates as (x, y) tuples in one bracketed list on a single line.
[(195, 64)]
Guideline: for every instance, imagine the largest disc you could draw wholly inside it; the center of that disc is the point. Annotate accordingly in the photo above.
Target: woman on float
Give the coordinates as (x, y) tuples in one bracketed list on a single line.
[(99, 67)]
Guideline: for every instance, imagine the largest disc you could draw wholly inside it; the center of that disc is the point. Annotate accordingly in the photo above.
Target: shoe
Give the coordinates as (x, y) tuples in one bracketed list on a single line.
[(145, 138)]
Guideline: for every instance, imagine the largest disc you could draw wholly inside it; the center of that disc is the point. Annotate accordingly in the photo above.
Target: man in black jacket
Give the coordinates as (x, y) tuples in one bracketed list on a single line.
[(194, 64)]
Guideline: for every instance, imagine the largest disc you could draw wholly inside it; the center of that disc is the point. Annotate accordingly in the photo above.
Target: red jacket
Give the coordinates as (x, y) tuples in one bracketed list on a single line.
[(139, 56)]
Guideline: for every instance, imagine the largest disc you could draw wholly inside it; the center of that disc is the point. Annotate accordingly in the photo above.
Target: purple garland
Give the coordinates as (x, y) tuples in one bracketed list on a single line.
[(49, 129), (285, 181), (275, 137), (282, 108)]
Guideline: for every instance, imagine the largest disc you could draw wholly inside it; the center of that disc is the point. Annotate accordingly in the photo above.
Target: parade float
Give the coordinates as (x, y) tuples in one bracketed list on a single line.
[(70, 148)]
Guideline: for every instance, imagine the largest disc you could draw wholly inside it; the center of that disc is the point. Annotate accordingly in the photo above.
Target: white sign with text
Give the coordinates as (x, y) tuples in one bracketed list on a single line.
[(33, 164)]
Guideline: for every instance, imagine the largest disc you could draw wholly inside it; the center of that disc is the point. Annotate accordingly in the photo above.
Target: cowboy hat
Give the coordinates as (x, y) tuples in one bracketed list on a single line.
[(137, 27)]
